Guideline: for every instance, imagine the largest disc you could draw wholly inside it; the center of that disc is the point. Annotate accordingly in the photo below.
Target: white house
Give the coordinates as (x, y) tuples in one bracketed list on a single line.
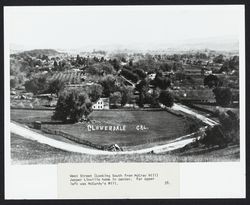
[(152, 76), (101, 104)]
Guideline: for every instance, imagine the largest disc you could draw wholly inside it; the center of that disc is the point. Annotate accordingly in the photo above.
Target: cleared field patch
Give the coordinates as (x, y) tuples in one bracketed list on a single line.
[(161, 126)]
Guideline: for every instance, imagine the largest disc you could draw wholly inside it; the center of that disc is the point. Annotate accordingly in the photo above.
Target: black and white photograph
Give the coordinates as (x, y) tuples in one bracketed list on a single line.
[(124, 84), (124, 101)]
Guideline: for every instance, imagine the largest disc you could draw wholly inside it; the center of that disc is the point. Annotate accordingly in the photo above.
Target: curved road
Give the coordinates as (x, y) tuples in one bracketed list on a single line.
[(187, 110), (29, 134), (178, 143)]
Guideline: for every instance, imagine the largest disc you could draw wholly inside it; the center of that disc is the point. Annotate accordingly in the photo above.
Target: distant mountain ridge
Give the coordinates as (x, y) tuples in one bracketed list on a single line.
[(220, 44)]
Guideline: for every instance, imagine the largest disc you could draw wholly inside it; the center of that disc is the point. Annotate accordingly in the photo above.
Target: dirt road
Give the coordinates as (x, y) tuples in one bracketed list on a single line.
[(187, 110), (29, 134), (178, 143)]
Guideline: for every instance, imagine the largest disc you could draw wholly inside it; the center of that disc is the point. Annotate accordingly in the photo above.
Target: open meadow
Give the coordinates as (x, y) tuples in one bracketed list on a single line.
[(141, 127)]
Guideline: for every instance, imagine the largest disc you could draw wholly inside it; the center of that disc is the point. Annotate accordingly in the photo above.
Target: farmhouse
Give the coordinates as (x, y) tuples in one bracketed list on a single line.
[(101, 104)]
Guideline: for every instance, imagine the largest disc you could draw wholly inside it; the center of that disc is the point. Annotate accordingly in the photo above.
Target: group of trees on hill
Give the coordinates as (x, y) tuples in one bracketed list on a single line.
[(227, 132), (109, 84), (161, 82), (61, 65), (212, 81), (156, 94), (40, 85), (230, 65), (100, 69)]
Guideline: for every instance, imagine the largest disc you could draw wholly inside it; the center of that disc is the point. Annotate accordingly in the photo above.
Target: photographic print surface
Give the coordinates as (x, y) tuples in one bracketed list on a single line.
[(124, 102), (124, 84)]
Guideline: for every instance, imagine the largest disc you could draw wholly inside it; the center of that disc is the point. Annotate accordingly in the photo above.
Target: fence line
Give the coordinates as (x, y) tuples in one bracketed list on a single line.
[(102, 147)]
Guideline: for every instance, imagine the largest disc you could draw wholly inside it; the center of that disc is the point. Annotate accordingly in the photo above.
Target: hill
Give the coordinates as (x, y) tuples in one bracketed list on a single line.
[(38, 52)]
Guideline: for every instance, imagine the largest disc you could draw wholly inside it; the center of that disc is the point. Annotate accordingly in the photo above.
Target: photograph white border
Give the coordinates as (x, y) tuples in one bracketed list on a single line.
[(222, 180)]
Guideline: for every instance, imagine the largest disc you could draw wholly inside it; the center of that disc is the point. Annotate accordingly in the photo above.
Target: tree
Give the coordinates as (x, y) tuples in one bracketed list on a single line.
[(142, 88), (165, 67), (223, 96), (100, 69), (129, 75), (214, 135), (115, 98), (107, 68), (56, 86), (212, 81), (115, 64), (13, 82), (225, 67), (130, 63), (218, 59), (152, 98), (231, 64), (127, 93), (148, 64), (95, 92), (108, 84), (55, 65), (161, 82), (36, 85), (72, 105), (166, 98), (229, 124), (140, 73), (141, 85), (94, 69)]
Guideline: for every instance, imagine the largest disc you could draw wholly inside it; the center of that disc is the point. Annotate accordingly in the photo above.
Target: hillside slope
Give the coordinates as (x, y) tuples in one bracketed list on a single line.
[(38, 52)]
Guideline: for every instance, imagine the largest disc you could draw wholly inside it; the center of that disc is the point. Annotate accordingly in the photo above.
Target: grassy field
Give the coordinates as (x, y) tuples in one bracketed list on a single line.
[(29, 116), (25, 151), (160, 124), (34, 103)]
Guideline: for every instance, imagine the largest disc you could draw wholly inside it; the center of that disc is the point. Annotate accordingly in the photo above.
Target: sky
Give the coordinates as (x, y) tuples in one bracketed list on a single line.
[(71, 27)]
